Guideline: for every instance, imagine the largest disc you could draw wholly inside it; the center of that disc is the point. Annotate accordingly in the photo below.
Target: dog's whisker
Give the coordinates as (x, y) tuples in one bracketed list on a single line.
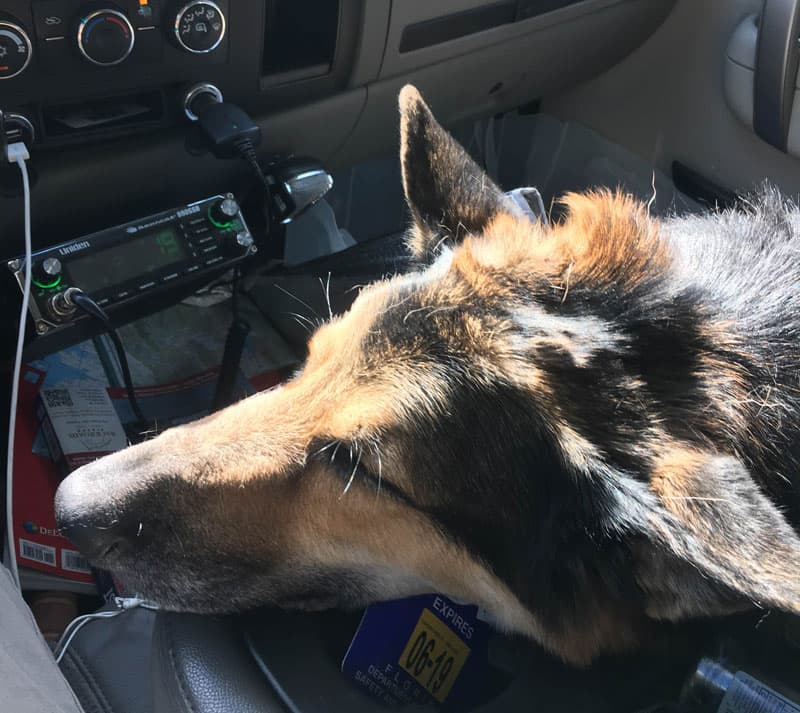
[(448, 308), (177, 538), (327, 292), (440, 243), (414, 311), (328, 305), (309, 325), (151, 431), (783, 478), (431, 311), (324, 448), (763, 619), (394, 305), (335, 451), (106, 527), (566, 282), (302, 324), (352, 475), (699, 499), (652, 200), (297, 299), (308, 320), (380, 467)]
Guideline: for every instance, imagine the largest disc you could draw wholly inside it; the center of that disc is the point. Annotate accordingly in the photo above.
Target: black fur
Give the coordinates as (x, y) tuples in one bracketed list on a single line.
[(429, 153)]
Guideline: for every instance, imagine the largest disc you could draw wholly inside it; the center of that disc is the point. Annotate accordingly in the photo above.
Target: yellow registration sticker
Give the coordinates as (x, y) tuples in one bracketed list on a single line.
[(434, 655)]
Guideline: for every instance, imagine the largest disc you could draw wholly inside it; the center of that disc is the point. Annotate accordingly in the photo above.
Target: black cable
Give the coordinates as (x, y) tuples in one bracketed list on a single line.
[(87, 305), (232, 355), (235, 283), (126, 375), (247, 150), (229, 132)]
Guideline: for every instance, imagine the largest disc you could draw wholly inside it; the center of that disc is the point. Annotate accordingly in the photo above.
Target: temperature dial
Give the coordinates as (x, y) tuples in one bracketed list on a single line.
[(15, 50), (200, 27), (105, 37)]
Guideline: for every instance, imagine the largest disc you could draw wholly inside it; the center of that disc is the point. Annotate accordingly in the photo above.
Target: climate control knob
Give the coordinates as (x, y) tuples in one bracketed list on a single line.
[(105, 37), (15, 50), (200, 27)]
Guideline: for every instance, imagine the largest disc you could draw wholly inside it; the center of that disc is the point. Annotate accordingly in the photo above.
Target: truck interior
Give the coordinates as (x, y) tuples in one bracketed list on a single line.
[(124, 106)]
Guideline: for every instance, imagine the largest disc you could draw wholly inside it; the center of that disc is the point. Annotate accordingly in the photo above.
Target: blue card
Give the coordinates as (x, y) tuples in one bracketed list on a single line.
[(422, 650)]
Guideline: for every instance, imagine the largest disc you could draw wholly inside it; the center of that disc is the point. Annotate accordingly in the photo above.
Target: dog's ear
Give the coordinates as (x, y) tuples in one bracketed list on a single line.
[(448, 193), (714, 517)]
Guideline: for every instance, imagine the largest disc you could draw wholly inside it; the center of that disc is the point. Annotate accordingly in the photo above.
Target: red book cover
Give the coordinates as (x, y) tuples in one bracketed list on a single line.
[(36, 478)]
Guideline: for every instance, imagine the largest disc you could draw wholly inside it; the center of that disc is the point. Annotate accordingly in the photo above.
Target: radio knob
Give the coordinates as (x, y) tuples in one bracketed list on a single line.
[(15, 50), (223, 212), (238, 244), (105, 37), (47, 274), (200, 27), (244, 240)]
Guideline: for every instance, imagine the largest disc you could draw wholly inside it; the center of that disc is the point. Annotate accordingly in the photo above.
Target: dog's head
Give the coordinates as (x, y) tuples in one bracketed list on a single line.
[(525, 422)]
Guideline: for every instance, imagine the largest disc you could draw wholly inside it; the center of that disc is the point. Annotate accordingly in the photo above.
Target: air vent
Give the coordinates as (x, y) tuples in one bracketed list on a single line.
[(300, 38)]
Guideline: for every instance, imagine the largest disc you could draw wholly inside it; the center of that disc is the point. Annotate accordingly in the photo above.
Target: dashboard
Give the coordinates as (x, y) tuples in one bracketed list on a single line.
[(103, 85), (82, 71)]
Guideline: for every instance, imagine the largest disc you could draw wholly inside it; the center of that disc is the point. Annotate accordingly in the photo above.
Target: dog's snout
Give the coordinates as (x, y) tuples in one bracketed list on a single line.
[(88, 514)]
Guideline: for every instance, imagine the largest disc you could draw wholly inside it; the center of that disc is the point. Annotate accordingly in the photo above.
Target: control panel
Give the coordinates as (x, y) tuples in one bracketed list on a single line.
[(16, 50), (83, 70), (106, 34), (124, 264), (88, 71)]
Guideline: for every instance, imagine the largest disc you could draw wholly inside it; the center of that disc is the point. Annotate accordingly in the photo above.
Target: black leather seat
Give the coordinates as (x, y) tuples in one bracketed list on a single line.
[(203, 665), (270, 661), (263, 662), (108, 663)]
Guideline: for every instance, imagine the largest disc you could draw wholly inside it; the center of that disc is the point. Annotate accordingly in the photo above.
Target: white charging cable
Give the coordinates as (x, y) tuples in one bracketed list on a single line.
[(18, 153), (123, 604)]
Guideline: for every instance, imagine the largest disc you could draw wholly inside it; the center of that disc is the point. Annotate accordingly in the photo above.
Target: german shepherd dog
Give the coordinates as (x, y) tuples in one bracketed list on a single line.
[(585, 428)]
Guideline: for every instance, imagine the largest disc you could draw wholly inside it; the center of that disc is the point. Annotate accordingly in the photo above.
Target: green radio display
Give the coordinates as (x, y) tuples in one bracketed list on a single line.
[(134, 259)]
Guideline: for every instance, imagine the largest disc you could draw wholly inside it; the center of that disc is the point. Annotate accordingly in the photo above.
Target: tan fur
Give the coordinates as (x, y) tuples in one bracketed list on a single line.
[(606, 238), (390, 534), (727, 382), (672, 474)]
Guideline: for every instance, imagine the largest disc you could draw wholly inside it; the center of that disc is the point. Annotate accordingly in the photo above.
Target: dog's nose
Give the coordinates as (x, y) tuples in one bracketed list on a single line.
[(94, 539), (90, 521)]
